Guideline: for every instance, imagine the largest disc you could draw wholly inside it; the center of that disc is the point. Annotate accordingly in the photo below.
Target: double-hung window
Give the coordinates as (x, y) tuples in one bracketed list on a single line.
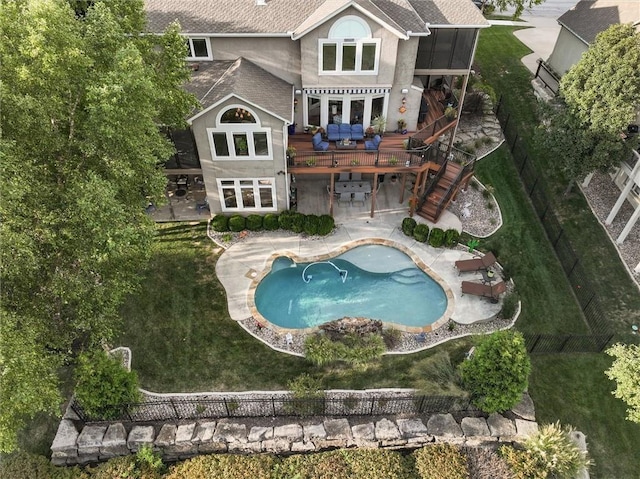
[(349, 49)]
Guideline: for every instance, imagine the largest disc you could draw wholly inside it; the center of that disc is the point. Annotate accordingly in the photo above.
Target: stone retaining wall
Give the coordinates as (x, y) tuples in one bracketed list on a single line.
[(177, 441)]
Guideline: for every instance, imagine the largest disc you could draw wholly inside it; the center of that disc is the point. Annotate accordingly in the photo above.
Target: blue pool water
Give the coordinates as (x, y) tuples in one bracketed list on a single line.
[(381, 282)]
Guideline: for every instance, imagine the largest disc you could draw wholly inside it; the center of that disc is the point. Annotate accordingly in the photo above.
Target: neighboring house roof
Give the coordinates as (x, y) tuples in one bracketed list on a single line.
[(282, 17), (590, 17), (217, 80)]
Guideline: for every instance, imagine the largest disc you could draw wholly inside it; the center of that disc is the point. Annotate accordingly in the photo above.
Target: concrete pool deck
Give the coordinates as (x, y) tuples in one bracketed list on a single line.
[(245, 260)]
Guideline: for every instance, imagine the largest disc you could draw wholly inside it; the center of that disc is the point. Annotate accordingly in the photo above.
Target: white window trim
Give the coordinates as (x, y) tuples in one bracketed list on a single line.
[(190, 56), (229, 130), (340, 42), (238, 192)]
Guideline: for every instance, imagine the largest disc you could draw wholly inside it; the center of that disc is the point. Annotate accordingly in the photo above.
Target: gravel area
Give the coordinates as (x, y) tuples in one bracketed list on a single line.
[(602, 194), (477, 209)]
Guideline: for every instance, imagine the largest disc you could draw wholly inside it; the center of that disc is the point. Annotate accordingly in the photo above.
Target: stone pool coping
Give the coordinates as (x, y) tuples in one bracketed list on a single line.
[(441, 321)]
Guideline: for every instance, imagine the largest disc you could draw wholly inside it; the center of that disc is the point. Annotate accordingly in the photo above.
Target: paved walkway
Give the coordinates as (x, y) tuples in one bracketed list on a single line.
[(242, 262)]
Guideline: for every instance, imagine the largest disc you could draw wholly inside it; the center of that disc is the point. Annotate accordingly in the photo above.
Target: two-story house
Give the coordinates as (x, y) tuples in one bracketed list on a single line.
[(266, 70)]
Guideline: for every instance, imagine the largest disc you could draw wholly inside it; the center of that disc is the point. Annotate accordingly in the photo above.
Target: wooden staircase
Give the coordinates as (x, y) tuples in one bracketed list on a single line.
[(441, 194)]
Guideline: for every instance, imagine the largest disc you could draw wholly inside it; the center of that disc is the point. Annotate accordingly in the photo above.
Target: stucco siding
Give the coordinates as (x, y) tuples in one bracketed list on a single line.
[(567, 52), (310, 51), (278, 56), (245, 168)]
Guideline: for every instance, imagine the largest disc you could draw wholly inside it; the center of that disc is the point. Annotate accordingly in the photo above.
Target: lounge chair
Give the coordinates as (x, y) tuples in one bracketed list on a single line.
[(344, 177), (492, 292), (373, 144), (475, 264), (318, 144), (356, 176)]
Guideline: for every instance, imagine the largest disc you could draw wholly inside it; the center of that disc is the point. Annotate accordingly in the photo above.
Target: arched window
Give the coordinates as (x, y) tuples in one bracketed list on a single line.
[(239, 135), (350, 48)]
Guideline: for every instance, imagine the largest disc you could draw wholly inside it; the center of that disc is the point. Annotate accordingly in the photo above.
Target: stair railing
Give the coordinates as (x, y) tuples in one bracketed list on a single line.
[(431, 184)]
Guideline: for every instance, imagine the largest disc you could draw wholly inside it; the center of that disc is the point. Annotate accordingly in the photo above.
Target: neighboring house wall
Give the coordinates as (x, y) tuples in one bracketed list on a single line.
[(215, 170), (567, 51)]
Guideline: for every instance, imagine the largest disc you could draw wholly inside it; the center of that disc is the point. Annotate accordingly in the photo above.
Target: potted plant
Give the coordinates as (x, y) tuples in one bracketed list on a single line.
[(311, 161), (291, 152), (370, 131), (450, 113), (393, 161), (355, 162), (379, 124), (402, 126)]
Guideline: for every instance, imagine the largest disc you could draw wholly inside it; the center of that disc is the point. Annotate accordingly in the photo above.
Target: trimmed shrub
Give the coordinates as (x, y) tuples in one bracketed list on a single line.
[(270, 222), (421, 232), (223, 466), (326, 225), (436, 238), (23, 465), (350, 348), (297, 222), (408, 225), (103, 385), (523, 464), (130, 466), (237, 223), (509, 306), (254, 222), (497, 374), (286, 220), (441, 461), (311, 223), (378, 464), (324, 465), (220, 223), (451, 238)]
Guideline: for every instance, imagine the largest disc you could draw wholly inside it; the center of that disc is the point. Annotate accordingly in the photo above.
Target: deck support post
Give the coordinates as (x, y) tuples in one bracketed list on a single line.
[(373, 193)]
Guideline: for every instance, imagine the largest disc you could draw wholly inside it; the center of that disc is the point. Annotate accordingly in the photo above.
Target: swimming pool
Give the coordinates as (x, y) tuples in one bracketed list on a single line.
[(374, 281)]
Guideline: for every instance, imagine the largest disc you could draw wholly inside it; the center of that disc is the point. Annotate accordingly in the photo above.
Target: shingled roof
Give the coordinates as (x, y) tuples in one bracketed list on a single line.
[(218, 79), (282, 17), (590, 17)]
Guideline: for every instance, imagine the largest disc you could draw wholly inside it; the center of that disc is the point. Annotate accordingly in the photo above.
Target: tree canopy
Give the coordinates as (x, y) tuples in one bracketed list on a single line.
[(81, 155), (625, 371), (519, 5), (599, 98), (603, 88)]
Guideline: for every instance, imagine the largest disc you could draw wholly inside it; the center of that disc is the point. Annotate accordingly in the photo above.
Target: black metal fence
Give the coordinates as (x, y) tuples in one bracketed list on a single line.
[(567, 343), (537, 190), (174, 409), (548, 77)]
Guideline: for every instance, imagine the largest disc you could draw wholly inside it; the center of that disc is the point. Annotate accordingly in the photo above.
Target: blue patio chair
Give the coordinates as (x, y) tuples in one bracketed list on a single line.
[(372, 144), (333, 132), (318, 144), (345, 131), (357, 132)]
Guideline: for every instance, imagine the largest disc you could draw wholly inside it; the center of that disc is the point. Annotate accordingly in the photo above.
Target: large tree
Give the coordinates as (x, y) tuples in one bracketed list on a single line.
[(603, 89), (83, 99), (519, 5), (599, 98)]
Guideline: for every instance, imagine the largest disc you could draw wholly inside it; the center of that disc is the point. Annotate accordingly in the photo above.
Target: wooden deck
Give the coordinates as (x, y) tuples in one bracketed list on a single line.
[(390, 141)]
